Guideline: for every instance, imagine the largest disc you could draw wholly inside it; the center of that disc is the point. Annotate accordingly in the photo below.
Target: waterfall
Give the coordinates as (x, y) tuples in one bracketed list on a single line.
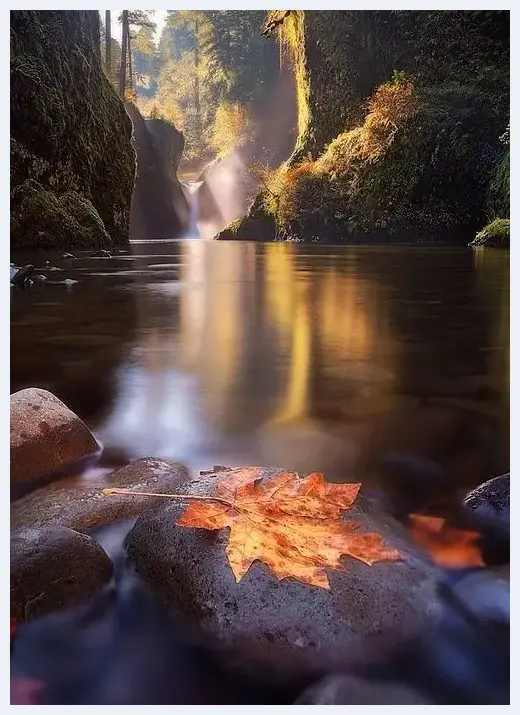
[(191, 191)]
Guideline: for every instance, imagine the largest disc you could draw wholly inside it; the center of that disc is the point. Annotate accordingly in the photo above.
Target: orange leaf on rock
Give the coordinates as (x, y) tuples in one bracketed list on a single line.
[(290, 524), (448, 547)]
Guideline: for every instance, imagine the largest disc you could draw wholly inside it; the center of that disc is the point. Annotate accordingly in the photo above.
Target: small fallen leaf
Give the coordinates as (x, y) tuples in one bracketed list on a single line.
[(290, 524), (448, 547)]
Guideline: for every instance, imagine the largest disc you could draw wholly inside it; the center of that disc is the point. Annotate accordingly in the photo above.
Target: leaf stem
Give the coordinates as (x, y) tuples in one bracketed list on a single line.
[(188, 497)]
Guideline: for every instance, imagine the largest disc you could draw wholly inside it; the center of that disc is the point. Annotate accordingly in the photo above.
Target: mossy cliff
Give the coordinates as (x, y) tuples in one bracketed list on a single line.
[(497, 232), (399, 119), (72, 160)]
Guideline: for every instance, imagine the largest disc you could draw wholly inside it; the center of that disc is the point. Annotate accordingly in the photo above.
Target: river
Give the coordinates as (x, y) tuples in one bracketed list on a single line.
[(296, 355)]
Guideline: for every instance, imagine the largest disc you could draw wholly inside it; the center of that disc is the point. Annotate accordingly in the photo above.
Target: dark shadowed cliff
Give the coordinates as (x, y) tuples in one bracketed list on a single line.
[(72, 160)]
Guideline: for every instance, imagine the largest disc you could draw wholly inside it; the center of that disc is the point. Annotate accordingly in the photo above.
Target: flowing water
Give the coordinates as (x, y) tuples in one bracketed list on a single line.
[(301, 356)]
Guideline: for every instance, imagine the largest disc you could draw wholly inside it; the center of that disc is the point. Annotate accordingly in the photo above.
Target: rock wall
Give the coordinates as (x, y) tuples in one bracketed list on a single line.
[(159, 206), (432, 173), (72, 160)]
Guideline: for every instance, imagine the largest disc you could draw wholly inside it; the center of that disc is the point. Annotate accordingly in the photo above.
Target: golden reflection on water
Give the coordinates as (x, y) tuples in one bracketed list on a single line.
[(261, 298), (286, 354)]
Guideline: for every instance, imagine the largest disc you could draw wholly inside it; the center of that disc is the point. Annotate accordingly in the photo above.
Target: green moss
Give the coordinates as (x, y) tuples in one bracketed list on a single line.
[(433, 174), (495, 233), (499, 196), (46, 220)]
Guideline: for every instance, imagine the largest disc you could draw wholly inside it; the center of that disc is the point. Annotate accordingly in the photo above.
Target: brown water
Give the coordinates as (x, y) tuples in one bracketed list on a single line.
[(293, 355)]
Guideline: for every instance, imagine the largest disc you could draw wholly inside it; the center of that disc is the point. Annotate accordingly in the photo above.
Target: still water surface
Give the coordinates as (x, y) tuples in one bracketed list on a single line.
[(293, 355)]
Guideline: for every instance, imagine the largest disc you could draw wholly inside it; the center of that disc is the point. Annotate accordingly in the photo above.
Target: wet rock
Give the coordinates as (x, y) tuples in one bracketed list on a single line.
[(491, 499), (486, 594), (289, 629), (38, 278), (53, 567), (23, 275), (350, 690), (45, 435), (67, 256), (82, 505), (101, 254)]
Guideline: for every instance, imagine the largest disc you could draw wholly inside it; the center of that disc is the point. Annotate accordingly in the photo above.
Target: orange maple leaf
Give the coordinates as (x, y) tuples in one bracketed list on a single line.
[(452, 548), (290, 524)]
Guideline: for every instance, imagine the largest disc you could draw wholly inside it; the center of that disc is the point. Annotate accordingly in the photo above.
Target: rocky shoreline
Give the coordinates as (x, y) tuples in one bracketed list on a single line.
[(290, 631)]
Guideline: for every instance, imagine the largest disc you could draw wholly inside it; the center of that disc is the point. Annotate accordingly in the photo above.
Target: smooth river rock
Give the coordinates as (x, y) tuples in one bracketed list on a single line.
[(53, 567), (290, 630), (80, 504), (45, 435), (491, 499), (22, 276)]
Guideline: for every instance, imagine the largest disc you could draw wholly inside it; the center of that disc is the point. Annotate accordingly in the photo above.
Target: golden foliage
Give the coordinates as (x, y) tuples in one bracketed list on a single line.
[(130, 95), (293, 191), (231, 127), (391, 106), (168, 110), (290, 524)]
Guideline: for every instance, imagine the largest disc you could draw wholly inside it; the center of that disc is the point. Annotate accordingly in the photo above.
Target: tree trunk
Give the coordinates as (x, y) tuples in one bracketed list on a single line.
[(108, 43), (124, 45), (197, 89), (130, 75)]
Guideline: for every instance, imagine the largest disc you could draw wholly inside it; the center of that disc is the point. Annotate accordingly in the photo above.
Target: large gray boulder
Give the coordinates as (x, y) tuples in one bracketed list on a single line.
[(290, 630), (45, 435)]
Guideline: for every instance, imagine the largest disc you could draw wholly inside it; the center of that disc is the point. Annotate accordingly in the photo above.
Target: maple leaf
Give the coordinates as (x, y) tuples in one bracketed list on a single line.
[(448, 547), (290, 524)]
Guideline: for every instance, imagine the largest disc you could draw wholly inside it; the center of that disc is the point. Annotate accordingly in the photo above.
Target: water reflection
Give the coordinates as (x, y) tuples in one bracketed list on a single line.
[(307, 357)]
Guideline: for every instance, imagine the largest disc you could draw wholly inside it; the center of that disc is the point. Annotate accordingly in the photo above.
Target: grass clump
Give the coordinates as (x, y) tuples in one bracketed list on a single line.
[(495, 233)]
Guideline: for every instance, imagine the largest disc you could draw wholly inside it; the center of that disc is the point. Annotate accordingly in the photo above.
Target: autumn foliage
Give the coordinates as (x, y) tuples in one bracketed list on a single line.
[(448, 547), (292, 525)]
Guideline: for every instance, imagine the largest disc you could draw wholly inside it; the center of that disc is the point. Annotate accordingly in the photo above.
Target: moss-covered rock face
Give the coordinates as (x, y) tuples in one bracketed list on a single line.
[(496, 233), (400, 115), (72, 160)]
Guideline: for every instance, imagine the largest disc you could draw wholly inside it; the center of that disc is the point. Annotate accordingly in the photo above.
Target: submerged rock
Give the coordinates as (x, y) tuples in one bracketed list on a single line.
[(101, 254), (291, 630), (351, 690), (22, 276), (53, 567), (67, 256), (45, 435), (83, 506)]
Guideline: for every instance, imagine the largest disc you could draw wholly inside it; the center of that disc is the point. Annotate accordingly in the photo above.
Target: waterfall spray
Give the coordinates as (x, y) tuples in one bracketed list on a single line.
[(191, 192)]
